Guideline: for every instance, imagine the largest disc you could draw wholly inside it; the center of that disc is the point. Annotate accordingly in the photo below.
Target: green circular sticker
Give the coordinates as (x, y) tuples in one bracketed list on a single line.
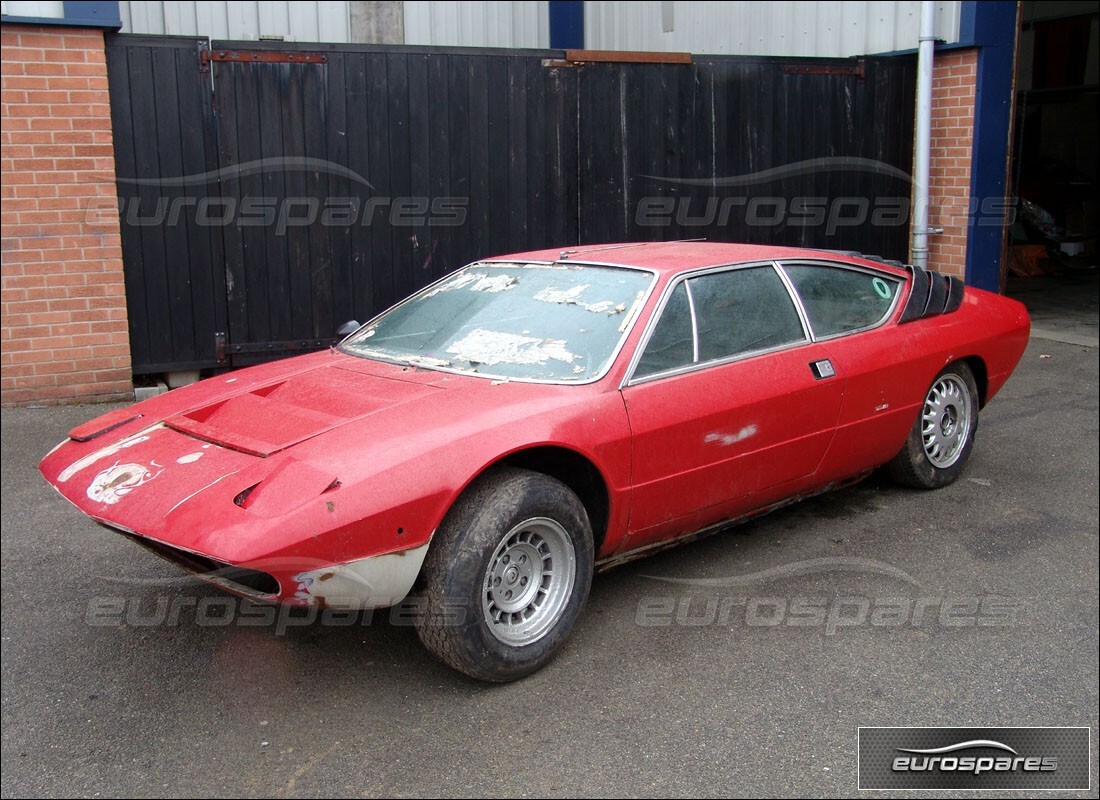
[(882, 289)]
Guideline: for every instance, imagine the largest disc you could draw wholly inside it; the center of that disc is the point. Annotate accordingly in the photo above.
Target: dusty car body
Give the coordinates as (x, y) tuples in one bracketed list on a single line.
[(662, 390)]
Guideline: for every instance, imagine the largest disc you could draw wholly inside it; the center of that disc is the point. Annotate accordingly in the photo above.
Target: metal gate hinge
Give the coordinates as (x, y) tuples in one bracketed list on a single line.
[(857, 69), (262, 57)]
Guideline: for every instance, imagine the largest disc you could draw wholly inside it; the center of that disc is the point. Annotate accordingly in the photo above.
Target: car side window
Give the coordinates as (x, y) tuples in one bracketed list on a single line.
[(742, 311), (721, 315), (838, 300), (672, 343)]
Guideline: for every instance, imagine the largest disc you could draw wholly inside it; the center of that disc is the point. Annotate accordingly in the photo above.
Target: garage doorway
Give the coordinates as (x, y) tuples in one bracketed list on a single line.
[(1052, 263)]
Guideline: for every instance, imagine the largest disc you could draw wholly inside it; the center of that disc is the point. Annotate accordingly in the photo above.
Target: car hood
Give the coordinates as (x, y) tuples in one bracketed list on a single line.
[(270, 439), (265, 420)]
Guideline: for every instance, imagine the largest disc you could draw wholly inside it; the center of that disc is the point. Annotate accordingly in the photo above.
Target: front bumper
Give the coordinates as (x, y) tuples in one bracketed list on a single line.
[(377, 581), (372, 582)]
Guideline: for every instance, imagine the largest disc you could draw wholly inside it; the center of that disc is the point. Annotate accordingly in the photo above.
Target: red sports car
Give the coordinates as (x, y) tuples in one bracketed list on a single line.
[(490, 442)]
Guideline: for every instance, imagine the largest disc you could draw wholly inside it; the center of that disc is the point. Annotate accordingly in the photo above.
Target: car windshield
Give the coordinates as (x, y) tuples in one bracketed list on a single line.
[(511, 320)]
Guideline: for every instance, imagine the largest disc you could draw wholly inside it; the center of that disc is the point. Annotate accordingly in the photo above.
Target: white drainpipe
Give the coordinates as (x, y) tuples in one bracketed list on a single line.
[(922, 196)]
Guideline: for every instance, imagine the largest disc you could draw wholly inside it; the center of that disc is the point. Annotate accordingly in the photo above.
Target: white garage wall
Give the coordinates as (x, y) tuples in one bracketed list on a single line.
[(827, 29), (489, 23), (783, 28), (478, 24), (42, 10), (318, 21)]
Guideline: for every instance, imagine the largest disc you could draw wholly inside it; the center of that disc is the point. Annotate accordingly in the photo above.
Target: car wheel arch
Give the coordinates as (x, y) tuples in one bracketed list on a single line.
[(942, 436), (576, 470), (981, 376)]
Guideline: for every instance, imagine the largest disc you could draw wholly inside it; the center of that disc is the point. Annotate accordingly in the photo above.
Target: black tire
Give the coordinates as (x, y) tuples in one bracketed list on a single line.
[(950, 404), (497, 529)]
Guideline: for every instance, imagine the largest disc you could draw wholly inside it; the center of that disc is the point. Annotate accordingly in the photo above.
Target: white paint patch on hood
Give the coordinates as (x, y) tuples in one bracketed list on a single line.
[(190, 458), (726, 439), (493, 347), (114, 483), (105, 452)]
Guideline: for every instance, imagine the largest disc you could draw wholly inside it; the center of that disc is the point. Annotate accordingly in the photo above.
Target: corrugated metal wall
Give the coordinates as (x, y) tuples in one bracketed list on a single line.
[(481, 24), (785, 28), (826, 29), (317, 21), (463, 24), (31, 8)]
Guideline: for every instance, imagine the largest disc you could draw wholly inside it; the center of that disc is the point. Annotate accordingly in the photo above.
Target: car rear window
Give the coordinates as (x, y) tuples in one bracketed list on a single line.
[(839, 300)]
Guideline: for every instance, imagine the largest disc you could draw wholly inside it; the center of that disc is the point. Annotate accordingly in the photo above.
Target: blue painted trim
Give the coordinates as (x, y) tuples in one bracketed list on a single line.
[(76, 15), (968, 18), (992, 28), (566, 24), (93, 13)]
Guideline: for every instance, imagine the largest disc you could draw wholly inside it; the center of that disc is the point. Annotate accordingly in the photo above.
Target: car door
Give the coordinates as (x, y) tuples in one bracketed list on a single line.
[(728, 402), (848, 308)]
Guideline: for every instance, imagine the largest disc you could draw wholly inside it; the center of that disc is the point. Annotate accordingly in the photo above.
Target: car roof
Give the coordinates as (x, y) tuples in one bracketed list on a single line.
[(674, 257)]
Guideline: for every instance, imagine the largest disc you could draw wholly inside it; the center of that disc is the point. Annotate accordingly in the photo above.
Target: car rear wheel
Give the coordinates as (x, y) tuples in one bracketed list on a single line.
[(506, 576), (941, 439)]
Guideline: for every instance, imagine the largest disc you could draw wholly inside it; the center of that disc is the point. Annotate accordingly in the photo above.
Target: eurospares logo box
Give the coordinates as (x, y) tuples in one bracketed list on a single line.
[(974, 758)]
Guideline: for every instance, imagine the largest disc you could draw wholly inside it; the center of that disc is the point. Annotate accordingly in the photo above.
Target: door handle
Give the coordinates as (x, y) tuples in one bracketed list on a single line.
[(822, 369)]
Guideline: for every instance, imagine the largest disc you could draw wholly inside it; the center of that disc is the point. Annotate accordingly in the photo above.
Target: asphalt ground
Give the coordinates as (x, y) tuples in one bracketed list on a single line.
[(751, 685)]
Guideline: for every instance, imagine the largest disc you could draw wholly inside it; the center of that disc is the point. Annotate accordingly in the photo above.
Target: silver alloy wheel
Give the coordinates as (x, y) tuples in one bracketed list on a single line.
[(946, 420), (529, 581)]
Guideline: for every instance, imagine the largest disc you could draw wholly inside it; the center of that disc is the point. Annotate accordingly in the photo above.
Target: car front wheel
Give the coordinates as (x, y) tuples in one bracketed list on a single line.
[(941, 439), (506, 576)]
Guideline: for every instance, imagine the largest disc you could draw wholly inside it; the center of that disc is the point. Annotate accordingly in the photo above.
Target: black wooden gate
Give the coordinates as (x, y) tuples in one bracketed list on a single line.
[(166, 162), (269, 192), (810, 153)]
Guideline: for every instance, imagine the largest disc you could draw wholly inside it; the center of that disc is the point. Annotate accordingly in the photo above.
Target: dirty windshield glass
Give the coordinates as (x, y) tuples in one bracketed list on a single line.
[(507, 320)]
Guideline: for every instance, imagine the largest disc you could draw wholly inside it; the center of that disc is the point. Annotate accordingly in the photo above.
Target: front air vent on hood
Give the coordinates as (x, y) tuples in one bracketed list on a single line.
[(264, 421)]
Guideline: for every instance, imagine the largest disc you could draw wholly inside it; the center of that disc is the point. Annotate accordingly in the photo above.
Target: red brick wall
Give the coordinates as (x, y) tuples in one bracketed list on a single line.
[(953, 83), (63, 323)]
